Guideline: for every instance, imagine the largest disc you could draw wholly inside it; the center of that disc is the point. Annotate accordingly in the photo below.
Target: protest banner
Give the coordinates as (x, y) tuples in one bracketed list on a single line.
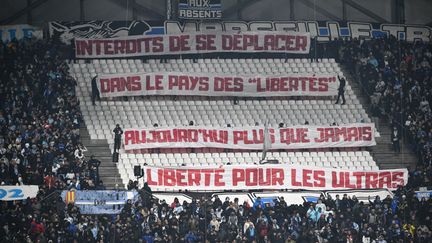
[(295, 137), (208, 84), (281, 176), (194, 43), (322, 31)]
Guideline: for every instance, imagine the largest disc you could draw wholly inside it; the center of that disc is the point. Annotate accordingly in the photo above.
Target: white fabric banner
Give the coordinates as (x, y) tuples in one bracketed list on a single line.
[(209, 84), (252, 177), (12, 193), (295, 137), (193, 43)]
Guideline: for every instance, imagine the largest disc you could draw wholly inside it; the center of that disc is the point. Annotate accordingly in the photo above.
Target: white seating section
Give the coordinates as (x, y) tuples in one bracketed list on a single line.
[(166, 112), (216, 111)]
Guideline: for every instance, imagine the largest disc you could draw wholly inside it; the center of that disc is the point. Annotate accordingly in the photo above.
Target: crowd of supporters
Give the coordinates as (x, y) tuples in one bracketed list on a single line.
[(397, 75), (403, 218), (40, 145), (39, 119)]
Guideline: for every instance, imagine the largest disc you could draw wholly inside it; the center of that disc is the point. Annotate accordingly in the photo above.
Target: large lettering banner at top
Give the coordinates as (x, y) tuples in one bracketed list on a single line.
[(67, 31), (130, 46), (296, 137), (252, 177), (207, 84)]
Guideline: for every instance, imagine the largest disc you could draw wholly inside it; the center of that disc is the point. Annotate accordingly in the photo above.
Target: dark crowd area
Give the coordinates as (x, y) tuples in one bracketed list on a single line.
[(397, 76), (402, 218), (40, 119), (40, 145)]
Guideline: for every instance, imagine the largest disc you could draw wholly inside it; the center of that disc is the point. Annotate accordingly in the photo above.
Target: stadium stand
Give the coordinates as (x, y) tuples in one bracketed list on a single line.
[(396, 77), (219, 112), (46, 108), (40, 119)]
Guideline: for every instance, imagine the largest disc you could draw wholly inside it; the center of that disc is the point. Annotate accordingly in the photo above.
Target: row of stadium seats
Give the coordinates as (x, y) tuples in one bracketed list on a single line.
[(242, 69), (82, 63), (210, 62), (219, 67)]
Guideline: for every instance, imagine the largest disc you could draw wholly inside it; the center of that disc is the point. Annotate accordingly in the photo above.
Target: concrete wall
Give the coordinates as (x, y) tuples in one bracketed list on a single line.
[(417, 11), (280, 10)]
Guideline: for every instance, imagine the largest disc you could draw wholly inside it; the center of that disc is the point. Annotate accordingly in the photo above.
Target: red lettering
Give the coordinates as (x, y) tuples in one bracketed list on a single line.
[(367, 133), (306, 178), (129, 137), (194, 177), (104, 85), (251, 177), (301, 43), (294, 181), (398, 179), (200, 42), (238, 175), (207, 176), (119, 46), (157, 44), (312, 83), (352, 134), (218, 177), (338, 183), (322, 84), (227, 42), (359, 176), (180, 176), (348, 181), (150, 182), (385, 180), (264, 179), (169, 178), (238, 136), (319, 178), (371, 180), (277, 176)]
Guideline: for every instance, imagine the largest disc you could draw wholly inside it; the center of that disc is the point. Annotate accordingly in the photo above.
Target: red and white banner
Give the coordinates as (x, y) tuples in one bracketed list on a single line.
[(192, 43), (207, 84), (296, 137), (250, 177)]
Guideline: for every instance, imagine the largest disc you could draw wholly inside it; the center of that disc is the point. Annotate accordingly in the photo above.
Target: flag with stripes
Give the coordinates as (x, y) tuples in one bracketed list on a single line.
[(70, 197)]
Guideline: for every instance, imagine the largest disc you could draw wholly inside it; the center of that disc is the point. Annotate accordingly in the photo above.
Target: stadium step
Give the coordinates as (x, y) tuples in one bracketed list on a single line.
[(383, 153), (108, 171)]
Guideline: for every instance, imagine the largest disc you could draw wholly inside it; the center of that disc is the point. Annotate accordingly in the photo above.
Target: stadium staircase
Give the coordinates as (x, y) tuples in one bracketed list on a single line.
[(108, 171), (383, 152)]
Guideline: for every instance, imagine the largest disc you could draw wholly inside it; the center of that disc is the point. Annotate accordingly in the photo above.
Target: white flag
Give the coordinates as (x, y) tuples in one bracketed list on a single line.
[(267, 141)]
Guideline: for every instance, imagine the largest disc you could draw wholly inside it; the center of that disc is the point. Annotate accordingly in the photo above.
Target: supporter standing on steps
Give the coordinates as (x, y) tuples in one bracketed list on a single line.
[(341, 90), (93, 165), (95, 91), (395, 137), (117, 137)]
